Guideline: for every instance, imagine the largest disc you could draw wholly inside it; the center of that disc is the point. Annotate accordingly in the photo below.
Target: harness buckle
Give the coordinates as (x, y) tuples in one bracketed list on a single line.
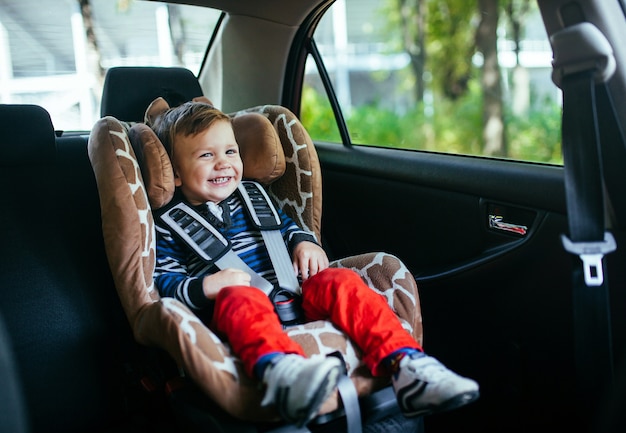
[(288, 306), (591, 254)]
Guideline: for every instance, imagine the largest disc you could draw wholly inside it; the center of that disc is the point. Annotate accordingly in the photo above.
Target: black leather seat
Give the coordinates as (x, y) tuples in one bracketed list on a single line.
[(128, 90), (71, 342), (13, 415)]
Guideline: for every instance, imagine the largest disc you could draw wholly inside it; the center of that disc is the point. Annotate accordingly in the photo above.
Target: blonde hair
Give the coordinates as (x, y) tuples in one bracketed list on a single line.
[(187, 119)]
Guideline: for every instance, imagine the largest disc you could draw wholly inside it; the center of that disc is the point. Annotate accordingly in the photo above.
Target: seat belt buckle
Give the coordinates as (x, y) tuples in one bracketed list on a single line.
[(591, 254)]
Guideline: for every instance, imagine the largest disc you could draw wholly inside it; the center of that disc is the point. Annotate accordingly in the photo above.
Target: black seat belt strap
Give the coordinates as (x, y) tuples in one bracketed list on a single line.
[(583, 59), (583, 178)]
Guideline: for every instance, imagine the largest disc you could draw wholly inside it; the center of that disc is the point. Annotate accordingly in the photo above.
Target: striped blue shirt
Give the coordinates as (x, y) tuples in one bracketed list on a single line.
[(179, 271)]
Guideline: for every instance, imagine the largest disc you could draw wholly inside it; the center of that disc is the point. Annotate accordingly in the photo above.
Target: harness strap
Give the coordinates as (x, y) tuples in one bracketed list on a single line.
[(350, 399), (212, 247), (267, 220)]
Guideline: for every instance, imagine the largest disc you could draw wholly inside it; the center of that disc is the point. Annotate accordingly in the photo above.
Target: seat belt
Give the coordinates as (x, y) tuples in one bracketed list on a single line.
[(583, 59)]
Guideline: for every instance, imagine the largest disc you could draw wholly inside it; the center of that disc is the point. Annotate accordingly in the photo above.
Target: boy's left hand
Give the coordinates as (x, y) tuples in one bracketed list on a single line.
[(309, 259)]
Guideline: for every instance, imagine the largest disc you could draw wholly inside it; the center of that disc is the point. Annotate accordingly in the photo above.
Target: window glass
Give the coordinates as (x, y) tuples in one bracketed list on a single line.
[(437, 76), (55, 53)]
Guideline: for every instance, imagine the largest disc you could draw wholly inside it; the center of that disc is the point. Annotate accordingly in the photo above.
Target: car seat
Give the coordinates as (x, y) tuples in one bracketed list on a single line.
[(13, 414), (134, 175), (73, 350)]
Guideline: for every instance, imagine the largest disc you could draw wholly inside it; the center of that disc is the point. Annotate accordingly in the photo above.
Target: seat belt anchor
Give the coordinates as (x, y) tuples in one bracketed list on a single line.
[(591, 254)]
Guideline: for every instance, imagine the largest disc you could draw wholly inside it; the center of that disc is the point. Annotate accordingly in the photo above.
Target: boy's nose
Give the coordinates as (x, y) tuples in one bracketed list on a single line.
[(222, 162)]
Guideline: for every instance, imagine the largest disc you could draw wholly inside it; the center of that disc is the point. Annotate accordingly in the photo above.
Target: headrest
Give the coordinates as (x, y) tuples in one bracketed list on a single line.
[(261, 151), (27, 135), (128, 90)]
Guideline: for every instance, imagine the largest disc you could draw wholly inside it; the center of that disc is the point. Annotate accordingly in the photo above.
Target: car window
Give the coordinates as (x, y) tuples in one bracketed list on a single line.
[(440, 77), (55, 53)]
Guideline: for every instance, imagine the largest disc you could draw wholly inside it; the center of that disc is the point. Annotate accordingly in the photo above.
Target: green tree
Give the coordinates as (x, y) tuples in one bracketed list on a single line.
[(450, 45), (494, 132), (438, 33), (411, 18), (465, 93), (449, 33)]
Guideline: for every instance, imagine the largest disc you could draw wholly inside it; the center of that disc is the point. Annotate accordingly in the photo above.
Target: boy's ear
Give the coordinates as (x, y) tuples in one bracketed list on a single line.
[(177, 181)]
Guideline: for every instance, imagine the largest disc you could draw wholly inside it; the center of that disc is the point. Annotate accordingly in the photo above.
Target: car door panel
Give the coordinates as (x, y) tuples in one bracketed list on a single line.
[(496, 302), (438, 212)]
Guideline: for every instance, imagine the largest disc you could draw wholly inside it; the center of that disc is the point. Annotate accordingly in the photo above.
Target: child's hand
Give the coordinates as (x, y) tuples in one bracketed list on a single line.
[(309, 259), (212, 284)]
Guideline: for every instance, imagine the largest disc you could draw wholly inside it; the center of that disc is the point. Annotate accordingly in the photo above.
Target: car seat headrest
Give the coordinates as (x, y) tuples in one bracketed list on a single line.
[(27, 135), (259, 145), (128, 90)]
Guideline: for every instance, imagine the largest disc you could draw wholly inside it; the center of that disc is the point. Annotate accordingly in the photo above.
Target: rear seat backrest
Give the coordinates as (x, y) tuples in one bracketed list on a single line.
[(129, 90), (56, 295), (27, 135)]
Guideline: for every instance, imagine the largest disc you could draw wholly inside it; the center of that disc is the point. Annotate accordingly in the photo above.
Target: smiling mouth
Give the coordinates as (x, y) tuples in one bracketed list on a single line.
[(220, 180)]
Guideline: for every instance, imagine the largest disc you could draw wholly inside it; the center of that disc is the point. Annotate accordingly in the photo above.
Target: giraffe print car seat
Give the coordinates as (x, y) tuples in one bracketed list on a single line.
[(134, 177)]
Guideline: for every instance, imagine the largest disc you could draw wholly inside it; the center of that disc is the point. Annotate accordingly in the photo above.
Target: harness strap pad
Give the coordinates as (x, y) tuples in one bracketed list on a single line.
[(202, 237), (259, 206)]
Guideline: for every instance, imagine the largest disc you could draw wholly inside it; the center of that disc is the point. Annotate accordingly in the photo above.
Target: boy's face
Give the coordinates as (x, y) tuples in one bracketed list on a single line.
[(207, 166)]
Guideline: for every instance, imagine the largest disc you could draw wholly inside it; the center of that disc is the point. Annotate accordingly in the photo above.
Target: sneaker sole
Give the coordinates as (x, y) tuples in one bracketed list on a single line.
[(453, 403)]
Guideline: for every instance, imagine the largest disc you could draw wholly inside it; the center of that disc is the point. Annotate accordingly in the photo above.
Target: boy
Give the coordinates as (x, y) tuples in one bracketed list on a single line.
[(207, 170)]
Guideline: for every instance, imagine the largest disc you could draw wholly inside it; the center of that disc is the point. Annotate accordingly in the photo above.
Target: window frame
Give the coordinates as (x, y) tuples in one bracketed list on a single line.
[(305, 45)]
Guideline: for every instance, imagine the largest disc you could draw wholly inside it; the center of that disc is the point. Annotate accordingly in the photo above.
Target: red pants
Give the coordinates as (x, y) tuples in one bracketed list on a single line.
[(246, 317)]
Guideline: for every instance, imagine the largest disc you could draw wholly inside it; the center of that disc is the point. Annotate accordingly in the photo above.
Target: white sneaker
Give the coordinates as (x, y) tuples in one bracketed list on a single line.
[(299, 386), (424, 385)]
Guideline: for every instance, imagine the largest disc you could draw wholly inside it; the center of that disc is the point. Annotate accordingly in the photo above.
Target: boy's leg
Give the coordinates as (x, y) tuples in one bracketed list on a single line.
[(296, 385), (422, 384), (246, 316), (341, 296)]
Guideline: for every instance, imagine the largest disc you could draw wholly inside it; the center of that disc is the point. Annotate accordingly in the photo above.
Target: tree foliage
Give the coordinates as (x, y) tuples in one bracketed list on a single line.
[(453, 50), (451, 129), (450, 45)]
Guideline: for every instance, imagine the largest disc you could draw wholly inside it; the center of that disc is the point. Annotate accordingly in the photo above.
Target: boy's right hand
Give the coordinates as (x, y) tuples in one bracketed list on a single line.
[(212, 284)]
